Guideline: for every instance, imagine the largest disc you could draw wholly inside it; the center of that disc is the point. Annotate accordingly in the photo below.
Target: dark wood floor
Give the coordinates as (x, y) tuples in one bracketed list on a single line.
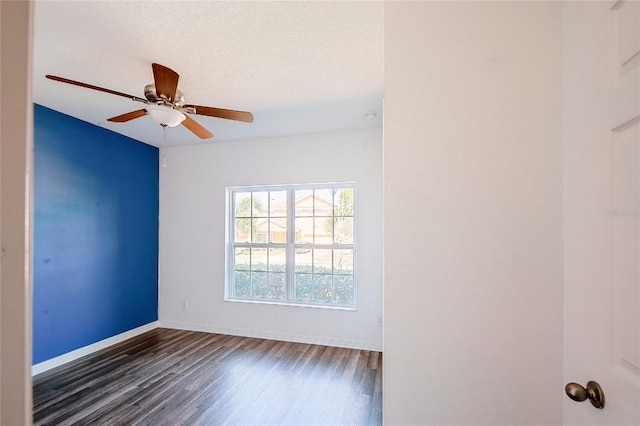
[(173, 377)]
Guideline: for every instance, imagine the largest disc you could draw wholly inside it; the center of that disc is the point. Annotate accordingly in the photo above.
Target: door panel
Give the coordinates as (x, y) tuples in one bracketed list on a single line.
[(625, 255), (601, 117)]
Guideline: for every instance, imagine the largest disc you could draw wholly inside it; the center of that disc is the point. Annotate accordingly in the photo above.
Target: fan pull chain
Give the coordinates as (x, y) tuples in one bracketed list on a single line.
[(164, 145)]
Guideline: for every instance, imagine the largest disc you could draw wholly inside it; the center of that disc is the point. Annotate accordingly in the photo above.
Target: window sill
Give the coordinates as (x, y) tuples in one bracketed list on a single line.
[(295, 304)]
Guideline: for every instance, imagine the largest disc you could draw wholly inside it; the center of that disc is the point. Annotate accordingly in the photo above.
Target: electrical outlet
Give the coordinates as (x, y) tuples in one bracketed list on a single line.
[(380, 321), (184, 305)]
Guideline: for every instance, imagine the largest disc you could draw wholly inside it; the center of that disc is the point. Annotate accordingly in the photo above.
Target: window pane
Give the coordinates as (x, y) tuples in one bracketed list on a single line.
[(304, 230), (243, 204), (343, 232), (323, 230), (259, 230), (260, 204), (278, 230), (304, 202), (303, 260), (241, 284), (322, 288), (323, 202), (322, 261), (303, 284), (343, 289), (277, 286), (243, 231), (343, 262), (241, 260), (259, 287), (277, 260), (343, 202), (258, 259), (278, 203)]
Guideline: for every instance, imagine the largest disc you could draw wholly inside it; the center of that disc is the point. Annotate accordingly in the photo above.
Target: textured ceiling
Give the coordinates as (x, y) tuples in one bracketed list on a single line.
[(300, 67)]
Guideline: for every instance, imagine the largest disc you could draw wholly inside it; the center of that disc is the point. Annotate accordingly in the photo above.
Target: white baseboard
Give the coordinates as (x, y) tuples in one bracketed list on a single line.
[(286, 337), (94, 347)]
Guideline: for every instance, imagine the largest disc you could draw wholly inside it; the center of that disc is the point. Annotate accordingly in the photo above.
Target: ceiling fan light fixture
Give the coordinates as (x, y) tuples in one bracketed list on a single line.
[(166, 116)]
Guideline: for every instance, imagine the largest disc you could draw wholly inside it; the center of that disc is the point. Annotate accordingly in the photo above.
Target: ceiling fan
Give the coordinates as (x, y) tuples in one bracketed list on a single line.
[(165, 103)]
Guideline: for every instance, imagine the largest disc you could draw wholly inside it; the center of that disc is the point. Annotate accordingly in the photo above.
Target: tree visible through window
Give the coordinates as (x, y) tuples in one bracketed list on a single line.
[(292, 244)]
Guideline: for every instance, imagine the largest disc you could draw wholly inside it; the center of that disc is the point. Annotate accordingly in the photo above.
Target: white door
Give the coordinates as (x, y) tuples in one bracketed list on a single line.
[(601, 45)]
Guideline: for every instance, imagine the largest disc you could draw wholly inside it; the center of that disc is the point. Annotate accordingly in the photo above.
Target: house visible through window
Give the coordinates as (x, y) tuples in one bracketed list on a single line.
[(292, 244)]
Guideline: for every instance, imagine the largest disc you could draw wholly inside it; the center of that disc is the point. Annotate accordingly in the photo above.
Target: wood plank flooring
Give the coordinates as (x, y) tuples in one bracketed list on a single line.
[(174, 377)]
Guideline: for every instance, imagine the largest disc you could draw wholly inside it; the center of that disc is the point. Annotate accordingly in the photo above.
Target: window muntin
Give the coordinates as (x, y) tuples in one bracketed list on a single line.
[(305, 258)]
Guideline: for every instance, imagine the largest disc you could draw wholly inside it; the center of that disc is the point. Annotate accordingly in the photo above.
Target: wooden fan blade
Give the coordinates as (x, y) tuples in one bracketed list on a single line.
[(229, 114), (128, 116), (196, 128), (91, 86), (166, 81)]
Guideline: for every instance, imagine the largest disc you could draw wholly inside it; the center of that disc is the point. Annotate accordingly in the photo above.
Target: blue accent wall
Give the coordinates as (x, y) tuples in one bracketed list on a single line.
[(95, 237)]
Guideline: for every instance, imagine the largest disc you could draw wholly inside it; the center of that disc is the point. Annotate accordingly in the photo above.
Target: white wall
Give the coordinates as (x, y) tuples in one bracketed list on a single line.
[(473, 213), (16, 145), (192, 234)]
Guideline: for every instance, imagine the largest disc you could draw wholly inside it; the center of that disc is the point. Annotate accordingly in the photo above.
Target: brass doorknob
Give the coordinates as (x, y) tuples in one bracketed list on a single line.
[(593, 392)]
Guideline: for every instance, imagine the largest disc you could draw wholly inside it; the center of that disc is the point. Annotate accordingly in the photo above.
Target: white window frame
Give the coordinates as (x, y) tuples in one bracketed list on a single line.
[(290, 245)]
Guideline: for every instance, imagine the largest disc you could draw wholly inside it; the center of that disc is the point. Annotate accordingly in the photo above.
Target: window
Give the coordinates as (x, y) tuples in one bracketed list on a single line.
[(292, 244)]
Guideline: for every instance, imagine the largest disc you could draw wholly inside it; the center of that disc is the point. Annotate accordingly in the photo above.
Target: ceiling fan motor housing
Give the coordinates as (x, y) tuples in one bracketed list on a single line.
[(152, 96)]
